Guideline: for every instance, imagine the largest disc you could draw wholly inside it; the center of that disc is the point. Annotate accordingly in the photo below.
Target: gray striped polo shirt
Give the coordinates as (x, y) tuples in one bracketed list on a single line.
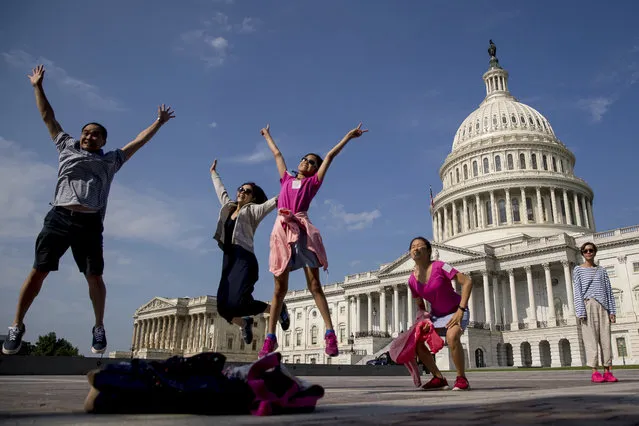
[(84, 177)]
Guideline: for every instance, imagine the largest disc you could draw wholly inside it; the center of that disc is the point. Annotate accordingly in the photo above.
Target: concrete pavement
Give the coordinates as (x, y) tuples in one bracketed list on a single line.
[(508, 398)]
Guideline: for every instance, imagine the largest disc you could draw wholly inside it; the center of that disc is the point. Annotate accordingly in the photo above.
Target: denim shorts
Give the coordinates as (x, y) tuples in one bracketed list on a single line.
[(440, 322)]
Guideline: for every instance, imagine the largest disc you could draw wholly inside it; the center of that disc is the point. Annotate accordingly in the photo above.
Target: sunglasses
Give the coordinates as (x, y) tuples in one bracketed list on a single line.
[(311, 162), (247, 191), (588, 251)]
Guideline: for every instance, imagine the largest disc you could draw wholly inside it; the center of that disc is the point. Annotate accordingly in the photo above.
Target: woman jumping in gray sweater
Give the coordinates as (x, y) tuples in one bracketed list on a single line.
[(236, 227)]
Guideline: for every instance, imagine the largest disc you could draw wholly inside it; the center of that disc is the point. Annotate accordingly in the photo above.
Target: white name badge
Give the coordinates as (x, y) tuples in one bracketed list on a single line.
[(297, 184)]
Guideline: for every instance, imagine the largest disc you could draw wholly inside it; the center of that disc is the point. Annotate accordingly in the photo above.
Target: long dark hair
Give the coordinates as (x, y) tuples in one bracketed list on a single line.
[(259, 196)]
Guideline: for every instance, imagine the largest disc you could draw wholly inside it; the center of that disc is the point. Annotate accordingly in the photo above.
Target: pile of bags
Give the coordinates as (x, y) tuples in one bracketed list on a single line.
[(200, 385)]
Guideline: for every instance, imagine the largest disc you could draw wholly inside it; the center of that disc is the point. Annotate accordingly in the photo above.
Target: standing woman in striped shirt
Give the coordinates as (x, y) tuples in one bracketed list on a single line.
[(595, 308)]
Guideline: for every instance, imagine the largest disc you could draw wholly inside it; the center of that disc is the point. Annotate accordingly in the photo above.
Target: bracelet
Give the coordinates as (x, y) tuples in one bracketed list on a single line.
[(460, 307)]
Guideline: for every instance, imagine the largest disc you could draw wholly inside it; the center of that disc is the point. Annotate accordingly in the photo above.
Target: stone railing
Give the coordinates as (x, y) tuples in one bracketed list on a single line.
[(532, 243), (616, 233), (372, 334), (522, 326), (360, 276), (561, 322), (478, 325)]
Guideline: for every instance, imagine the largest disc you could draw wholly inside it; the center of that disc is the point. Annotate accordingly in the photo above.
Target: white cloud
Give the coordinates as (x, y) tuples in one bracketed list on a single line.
[(27, 185), (597, 106), (249, 25), (213, 125), (352, 221), (354, 263), (86, 91), (259, 155)]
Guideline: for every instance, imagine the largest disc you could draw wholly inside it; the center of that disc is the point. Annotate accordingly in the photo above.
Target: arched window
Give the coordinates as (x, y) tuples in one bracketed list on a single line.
[(533, 159), (554, 164), (504, 120), (544, 161), (489, 214), (516, 215), (485, 165), (497, 163), (509, 160), (314, 335), (522, 161), (475, 172), (451, 178), (501, 207), (529, 209), (465, 171), (457, 174)]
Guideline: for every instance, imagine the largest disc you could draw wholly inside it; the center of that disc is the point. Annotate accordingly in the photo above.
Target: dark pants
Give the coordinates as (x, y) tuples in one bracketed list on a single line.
[(64, 228), (240, 272)]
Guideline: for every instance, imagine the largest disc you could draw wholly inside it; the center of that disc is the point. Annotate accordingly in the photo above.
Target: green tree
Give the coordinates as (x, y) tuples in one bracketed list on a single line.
[(50, 345)]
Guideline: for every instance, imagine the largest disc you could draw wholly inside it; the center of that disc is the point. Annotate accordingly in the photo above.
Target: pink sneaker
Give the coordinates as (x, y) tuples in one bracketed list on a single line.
[(413, 369), (270, 345), (461, 384), (609, 377), (331, 344), (597, 377)]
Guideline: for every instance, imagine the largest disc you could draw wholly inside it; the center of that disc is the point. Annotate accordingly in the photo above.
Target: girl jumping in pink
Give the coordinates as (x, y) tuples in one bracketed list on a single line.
[(295, 242)]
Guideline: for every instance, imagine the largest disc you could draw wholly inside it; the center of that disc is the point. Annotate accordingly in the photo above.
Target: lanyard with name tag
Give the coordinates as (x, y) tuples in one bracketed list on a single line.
[(297, 184)]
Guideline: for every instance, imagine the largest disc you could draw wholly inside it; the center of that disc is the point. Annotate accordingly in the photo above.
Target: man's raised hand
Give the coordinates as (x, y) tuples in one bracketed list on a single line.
[(213, 166), (165, 113), (36, 76), (356, 132), (265, 130)]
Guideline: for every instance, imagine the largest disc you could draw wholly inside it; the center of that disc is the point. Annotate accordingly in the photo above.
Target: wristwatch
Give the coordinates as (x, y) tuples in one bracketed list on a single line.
[(462, 308)]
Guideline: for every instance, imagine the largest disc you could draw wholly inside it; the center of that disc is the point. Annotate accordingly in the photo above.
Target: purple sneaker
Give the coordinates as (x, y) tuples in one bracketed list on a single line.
[(331, 344), (270, 345)]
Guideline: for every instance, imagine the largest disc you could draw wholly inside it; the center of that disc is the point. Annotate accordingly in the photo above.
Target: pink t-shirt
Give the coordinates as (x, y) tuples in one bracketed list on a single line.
[(296, 195), (438, 291)]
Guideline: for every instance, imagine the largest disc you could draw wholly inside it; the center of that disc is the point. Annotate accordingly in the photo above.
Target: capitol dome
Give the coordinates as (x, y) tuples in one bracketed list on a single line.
[(508, 174)]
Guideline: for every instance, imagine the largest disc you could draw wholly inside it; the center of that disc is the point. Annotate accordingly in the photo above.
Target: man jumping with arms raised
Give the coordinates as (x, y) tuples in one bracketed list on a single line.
[(85, 173)]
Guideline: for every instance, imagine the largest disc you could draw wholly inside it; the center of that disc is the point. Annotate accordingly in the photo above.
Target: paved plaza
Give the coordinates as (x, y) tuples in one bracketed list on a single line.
[(508, 398)]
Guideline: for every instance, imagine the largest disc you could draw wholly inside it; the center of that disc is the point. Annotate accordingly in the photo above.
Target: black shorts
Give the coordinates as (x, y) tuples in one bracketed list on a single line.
[(64, 228)]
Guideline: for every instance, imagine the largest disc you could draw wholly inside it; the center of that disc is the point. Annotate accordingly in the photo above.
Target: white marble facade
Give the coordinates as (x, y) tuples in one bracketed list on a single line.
[(187, 326), (512, 215)]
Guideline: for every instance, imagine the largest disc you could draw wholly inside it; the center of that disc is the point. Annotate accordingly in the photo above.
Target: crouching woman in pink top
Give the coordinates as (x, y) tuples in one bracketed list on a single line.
[(432, 281), (295, 243)]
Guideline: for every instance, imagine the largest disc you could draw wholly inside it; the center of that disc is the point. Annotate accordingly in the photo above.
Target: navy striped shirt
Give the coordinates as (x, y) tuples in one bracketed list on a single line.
[(592, 283), (84, 177)]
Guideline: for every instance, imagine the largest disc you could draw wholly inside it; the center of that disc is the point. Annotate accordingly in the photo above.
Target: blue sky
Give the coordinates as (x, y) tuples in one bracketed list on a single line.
[(411, 71)]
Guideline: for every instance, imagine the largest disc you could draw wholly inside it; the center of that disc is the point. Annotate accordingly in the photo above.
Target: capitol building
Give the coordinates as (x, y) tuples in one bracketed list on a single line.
[(511, 215)]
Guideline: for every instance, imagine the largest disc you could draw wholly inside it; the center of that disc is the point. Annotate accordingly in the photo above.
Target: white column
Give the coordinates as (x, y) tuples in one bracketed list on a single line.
[(540, 207), (480, 212), (493, 209), (358, 314), (382, 311), (192, 333), (136, 331), (440, 227), (174, 337), (454, 218), (496, 308), (434, 221), (567, 209), (487, 305), (369, 324), (139, 340), (591, 217), (349, 301), (531, 297), (471, 301), (569, 294), (551, 298), (553, 203), (446, 230), (396, 309), (523, 209), (509, 208), (513, 301), (409, 307), (465, 224), (576, 208), (585, 210)]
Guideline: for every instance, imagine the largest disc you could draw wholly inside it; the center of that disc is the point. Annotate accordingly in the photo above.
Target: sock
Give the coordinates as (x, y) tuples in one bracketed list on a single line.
[(329, 331), (271, 336)]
